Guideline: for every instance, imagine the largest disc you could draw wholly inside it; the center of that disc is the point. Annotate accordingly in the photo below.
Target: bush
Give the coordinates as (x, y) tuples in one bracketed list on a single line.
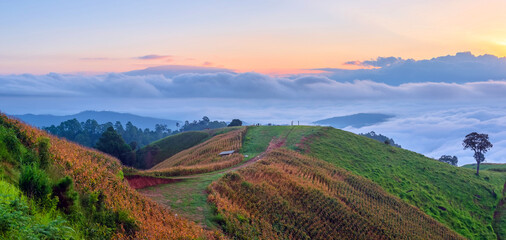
[(18, 221), (30, 158), (13, 146), (34, 182), (66, 195), (105, 221), (122, 218), (43, 146)]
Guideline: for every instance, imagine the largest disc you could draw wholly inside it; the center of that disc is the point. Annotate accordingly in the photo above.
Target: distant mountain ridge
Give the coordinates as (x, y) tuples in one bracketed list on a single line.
[(355, 120), (170, 71), (46, 120)]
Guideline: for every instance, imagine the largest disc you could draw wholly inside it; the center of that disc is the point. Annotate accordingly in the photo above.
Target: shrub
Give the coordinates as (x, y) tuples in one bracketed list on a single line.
[(43, 146), (34, 182), (19, 221), (13, 146), (123, 219), (66, 195), (106, 221), (30, 158)]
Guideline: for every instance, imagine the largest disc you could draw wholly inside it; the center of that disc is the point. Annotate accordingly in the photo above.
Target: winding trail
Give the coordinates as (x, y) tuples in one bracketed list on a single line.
[(187, 195), (139, 181), (275, 143)]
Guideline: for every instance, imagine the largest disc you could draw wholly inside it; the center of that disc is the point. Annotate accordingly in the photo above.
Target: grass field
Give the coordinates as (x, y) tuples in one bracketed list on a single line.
[(187, 198), (497, 167), (288, 195), (452, 195), (500, 217), (257, 138)]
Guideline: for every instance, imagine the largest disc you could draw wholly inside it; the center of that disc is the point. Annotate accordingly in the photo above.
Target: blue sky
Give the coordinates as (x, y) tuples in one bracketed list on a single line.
[(263, 36)]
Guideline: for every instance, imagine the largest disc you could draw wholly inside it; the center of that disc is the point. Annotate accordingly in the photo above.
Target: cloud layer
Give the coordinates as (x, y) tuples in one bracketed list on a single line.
[(460, 68), (240, 85)]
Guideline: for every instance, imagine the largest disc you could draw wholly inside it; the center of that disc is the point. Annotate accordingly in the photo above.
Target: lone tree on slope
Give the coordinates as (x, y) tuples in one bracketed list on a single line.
[(478, 142)]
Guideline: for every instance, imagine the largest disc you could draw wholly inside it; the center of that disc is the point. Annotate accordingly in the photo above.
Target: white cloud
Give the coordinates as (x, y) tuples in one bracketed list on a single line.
[(239, 85), (459, 68)]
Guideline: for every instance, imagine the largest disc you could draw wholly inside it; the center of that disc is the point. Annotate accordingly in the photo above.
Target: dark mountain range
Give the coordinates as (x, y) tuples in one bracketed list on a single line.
[(46, 120), (356, 120), (174, 70)]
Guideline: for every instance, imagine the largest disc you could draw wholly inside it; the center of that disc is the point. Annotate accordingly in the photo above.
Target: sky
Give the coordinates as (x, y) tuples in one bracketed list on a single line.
[(438, 66), (275, 37)]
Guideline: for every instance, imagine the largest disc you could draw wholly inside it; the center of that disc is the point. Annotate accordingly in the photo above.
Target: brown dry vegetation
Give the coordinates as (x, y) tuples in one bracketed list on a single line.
[(287, 195), (93, 172)]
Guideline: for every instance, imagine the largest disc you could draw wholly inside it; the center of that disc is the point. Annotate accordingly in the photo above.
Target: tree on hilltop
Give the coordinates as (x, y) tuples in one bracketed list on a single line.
[(478, 142), (235, 122)]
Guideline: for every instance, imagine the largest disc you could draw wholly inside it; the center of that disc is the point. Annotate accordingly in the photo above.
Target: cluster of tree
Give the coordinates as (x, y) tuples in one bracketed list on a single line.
[(235, 123), (449, 159), (88, 133), (113, 144), (381, 138), (205, 123)]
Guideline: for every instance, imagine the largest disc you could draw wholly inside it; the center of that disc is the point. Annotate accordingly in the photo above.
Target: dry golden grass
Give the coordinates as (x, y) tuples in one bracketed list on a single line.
[(288, 195), (93, 171)]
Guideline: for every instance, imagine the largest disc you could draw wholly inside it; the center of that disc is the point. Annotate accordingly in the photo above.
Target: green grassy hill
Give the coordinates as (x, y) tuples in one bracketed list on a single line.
[(497, 167), (162, 149), (288, 195), (454, 196)]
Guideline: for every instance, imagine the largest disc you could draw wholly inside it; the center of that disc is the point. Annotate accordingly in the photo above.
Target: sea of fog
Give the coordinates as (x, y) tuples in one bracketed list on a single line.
[(433, 128)]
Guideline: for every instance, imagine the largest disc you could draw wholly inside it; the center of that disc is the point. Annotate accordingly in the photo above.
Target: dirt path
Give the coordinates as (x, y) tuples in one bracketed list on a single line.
[(275, 143), (187, 195), (137, 183)]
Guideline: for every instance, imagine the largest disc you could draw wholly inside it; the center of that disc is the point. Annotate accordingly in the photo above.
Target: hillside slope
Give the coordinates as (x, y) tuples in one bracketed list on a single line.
[(497, 167), (288, 195), (95, 174), (156, 152), (160, 150), (204, 157), (452, 195)]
